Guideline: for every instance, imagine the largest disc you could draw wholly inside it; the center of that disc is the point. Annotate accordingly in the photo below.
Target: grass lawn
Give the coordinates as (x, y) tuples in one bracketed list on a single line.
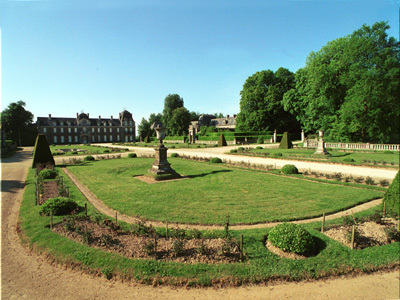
[(89, 149), (260, 265), (381, 158), (213, 192)]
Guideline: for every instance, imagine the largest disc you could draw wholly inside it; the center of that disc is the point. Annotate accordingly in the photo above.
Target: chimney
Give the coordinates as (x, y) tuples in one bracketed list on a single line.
[(88, 115), (99, 117), (227, 116), (49, 116), (111, 118), (77, 115), (234, 116)]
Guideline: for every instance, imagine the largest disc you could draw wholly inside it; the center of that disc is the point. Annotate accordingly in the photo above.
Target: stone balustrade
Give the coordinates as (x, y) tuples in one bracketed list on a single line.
[(354, 146)]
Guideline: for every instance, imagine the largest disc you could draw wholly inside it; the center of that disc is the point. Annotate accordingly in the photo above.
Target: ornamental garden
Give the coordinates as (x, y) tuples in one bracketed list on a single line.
[(218, 224)]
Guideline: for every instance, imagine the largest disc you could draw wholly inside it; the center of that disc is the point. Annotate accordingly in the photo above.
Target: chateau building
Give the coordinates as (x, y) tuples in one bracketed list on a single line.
[(85, 130), (227, 123)]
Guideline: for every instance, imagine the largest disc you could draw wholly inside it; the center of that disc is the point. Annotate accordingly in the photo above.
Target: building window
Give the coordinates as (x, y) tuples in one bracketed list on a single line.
[(69, 130), (110, 130), (111, 138), (118, 129), (126, 130), (92, 129), (76, 130), (44, 130), (105, 138), (55, 140), (98, 130), (62, 130), (130, 123), (55, 123), (55, 130), (76, 139), (131, 137), (118, 138), (131, 130), (70, 139), (61, 123), (62, 139), (126, 123)]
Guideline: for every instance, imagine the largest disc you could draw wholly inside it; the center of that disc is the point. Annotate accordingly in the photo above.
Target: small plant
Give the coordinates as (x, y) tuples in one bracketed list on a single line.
[(348, 179), (278, 154), (259, 147), (338, 176), (106, 240), (48, 174), (349, 220), (369, 181), (260, 140), (89, 158), (291, 237), (195, 233), (384, 182), (149, 247), (392, 234), (106, 151), (228, 247), (233, 151), (74, 152), (376, 217), (357, 235), (178, 247), (358, 179), (59, 206), (132, 155), (240, 149), (348, 159), (216, 160), (178, 233), (174, 154), (226, 227), (289, 169), (201, 248)]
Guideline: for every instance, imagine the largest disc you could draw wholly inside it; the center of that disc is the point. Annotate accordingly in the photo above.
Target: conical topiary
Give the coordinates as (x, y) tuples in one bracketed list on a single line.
[(392, 196), (41, 152), (222, 141), (286, 143)]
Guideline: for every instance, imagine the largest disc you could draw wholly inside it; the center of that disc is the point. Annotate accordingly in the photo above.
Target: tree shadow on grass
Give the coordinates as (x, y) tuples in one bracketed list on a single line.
[(210, 173)]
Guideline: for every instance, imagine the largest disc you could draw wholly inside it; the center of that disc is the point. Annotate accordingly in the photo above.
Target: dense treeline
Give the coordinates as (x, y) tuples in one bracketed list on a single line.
[(350, 88)]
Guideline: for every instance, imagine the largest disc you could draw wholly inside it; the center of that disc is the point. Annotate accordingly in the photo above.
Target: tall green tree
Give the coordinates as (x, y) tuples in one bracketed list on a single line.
[(144, 129), (351, 87), (171, 102), (261, 105), (16, 120), (179, 122)]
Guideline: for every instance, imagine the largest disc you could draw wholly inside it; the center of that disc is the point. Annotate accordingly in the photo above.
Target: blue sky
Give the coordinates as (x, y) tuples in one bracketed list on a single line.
[(100, 57)]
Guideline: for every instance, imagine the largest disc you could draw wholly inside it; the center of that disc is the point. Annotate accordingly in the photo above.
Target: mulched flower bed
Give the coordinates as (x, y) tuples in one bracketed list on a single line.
[(195, 250), (369, 233), (50, 190)]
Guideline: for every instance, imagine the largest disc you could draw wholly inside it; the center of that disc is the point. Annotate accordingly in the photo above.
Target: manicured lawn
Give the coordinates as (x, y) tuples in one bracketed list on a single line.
[(88, 149), (213, 192), (388, 159), (260, 264)]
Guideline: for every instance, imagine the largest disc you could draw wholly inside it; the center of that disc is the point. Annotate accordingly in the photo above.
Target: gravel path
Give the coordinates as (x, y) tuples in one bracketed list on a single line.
[(25, 275)]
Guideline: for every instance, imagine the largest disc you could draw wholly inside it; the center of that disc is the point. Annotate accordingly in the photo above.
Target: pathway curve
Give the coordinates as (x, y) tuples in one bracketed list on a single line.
[(104, 209), (25, 275)]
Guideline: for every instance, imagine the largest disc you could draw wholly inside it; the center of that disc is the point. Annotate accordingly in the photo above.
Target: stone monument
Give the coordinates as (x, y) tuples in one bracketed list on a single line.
[(321, 150), (161, 166)]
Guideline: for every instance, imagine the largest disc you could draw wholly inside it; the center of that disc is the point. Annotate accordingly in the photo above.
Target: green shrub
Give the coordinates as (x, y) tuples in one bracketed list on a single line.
[(174, 154), (106, 151), (348, 159), (59, 206), (259, 148), (291, 237), (392, 195), (233, 151), (388, 152), (260, 140), (286, 143), (289, 169), (41, 152), (240, 149), (132, 155), (74, 152), (89, 158), (216, 160), (222, 141), (48, 174)]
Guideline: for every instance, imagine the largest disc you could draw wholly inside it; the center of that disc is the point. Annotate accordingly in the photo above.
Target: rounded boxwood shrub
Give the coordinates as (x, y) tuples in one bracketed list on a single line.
[(59, 205), (289, 169), (174, 154), (132, 155), (392, 195), (233, 151), (89, 158), (216, 160), (259, 148), (291, 237), (106, 151), (74, 152), (48, 174)]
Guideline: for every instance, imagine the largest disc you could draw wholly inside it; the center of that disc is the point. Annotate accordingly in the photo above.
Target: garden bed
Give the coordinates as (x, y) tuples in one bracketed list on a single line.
[(111, 239)]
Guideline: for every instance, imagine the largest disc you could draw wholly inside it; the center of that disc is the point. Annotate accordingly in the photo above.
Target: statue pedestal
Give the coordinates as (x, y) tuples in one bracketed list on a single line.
[(321, 150), (161, 165)]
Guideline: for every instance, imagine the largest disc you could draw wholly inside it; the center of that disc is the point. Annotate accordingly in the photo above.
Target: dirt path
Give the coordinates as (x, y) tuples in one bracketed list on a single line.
[(25, 275)]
